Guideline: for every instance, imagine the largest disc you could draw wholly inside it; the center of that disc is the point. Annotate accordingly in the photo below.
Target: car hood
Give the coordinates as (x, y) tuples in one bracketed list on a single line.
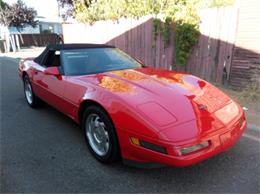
[(166, 98)]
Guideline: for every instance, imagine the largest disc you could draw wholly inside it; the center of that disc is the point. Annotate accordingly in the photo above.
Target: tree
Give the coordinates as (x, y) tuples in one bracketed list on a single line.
[(215, 3), (69, 5), (2, 4), (64, 3), (3, 15), (17, 15)]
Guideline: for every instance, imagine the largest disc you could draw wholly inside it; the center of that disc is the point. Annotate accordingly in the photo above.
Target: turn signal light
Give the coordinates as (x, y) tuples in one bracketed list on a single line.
[(148, 145), (135, 141)]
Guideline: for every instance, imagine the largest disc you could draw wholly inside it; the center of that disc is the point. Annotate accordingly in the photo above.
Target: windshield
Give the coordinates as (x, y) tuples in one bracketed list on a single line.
[(96, 60)]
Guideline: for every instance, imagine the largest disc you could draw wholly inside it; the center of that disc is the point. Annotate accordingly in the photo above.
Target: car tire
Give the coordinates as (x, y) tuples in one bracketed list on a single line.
[(32, 100), (100, 135)]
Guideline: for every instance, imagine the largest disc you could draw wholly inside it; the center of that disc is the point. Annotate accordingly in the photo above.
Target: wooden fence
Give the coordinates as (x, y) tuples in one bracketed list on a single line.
[(212, 56), (140, 43), (246, 56), (215, 58), (27, 40), (132, 36)]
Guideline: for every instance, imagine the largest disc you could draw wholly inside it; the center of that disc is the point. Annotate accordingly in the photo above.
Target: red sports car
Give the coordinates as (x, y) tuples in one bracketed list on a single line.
[(143, 115)]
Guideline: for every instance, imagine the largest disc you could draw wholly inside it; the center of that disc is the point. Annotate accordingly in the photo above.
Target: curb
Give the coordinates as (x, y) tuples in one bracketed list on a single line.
[(253, 127)]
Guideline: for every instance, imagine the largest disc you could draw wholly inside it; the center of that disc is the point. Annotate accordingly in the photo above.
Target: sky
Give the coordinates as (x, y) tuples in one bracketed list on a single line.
[(46, 8)]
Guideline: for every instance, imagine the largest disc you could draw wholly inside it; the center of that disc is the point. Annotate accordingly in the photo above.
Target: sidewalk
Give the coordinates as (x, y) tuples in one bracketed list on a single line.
[(253, 119), (24, 53)]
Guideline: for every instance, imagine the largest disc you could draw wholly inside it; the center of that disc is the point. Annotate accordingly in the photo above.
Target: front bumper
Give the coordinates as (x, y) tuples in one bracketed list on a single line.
[(219, 142)]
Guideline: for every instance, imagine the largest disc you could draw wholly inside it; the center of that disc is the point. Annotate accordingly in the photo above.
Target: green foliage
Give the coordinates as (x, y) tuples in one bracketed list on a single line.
[(2, 4), (166, 31), (215, 3), (163, 28), (156, 29), (186, 22), (17, 15), (186, 38), (115, 9)]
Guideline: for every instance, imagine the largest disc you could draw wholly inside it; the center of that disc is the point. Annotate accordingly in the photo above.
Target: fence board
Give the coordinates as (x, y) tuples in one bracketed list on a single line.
[(215, 46), (27, 40)]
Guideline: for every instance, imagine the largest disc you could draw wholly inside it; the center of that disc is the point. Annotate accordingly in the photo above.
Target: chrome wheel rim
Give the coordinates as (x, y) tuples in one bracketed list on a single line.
[(28, 91), (97, 135)]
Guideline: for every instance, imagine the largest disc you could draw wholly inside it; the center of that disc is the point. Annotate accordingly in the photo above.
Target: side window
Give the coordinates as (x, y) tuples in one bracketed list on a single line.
[(52, 59)]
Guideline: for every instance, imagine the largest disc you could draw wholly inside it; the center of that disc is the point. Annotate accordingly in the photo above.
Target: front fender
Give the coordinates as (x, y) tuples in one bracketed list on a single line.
[(123, 115)]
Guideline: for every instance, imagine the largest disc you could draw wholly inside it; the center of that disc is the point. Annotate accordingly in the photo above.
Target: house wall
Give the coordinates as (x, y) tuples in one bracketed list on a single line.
[(55, 28), (50, 27), (27, 29)]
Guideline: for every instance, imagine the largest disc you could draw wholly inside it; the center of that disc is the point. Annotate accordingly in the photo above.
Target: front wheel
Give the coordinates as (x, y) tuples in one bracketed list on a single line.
[(100, 135), (31, 99)]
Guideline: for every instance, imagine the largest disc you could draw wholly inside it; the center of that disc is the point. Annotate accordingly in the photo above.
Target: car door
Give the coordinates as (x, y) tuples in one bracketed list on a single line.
[(50, 87)]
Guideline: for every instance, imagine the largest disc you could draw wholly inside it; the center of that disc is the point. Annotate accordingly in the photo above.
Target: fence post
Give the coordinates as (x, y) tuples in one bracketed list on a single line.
[(12, 42)]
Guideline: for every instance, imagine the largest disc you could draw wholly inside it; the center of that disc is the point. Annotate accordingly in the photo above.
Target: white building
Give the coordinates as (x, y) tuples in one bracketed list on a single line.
[(45, 25)]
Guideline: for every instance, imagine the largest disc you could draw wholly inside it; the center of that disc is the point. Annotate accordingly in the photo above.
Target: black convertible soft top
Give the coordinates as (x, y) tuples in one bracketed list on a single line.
[(76, 46), (58, 47)]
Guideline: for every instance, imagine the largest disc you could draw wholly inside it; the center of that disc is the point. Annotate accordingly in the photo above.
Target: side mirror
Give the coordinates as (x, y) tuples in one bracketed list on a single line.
[(52, 71)]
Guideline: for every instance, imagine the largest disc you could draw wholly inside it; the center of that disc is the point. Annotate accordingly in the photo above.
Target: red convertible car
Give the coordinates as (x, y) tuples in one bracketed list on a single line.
[(128, 111)]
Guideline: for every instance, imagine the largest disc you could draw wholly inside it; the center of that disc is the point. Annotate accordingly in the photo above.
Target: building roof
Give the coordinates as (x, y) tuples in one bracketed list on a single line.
[(52, 19)]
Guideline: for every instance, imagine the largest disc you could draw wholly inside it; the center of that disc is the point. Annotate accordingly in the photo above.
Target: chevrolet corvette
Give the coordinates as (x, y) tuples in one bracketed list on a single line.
[(129, 111)]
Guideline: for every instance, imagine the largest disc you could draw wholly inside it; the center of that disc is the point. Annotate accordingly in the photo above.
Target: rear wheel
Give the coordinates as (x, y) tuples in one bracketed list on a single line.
[(31, 99), (100, 135)]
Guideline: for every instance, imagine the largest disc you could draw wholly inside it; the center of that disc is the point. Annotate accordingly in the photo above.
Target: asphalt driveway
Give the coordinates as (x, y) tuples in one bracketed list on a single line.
[(43, 151)]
